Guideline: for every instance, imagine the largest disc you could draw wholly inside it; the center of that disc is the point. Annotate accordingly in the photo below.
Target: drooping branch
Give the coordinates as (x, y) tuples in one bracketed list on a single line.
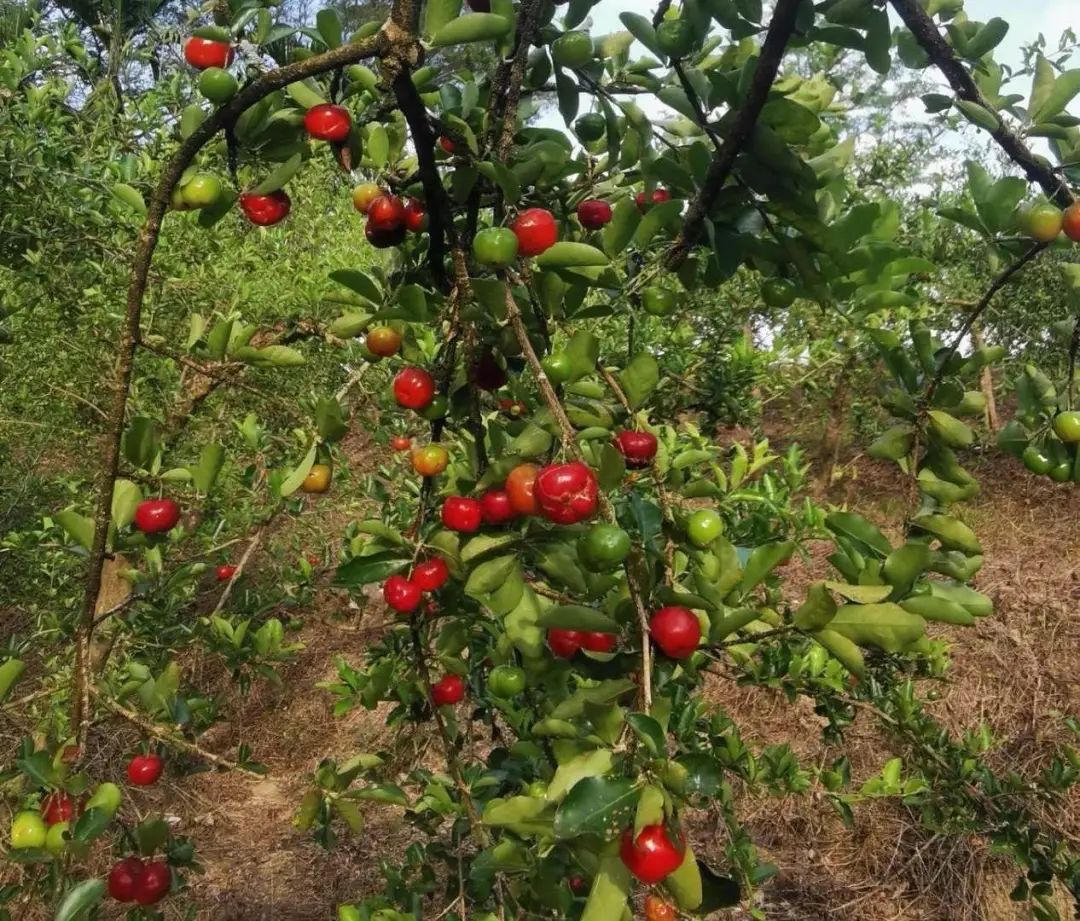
[(930, 39), (128, 338), (742, 128)]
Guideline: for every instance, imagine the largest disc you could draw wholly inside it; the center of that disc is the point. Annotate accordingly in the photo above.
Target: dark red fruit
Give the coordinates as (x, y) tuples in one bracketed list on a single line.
[(639, 448), (515, 409), (462, 514), (153, 516), (658, 196), (676, 630), (401, 594), (154, 883), (123, 878), (536, 231), (416, 216), (564, 643), (414, 388), (431, 575), (224, 572), (448, 690), (567, 493), (328, 122), (265, 210), (205, 52), (58, 807), (486, 372), (598, 642), (652, 856), (578, 884), (144, 770), (386, 213), (593, 213), (384, 237), (495, 506), (446, 144)]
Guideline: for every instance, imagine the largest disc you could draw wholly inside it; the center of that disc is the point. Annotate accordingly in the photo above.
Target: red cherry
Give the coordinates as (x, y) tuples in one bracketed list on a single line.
[(446, 144), (536, 231), (639, 448), (598, 642), (58, 807), (123, 878), (224, 572), (153, 516), (414, 388), (154, 883), (401, 594), (462, 514), (652, 856), (567, 493), (386, 213), (676, 630), (416, 216), (205, 52), (658, 196), (144, 770), (515, 409), (265, 210), (448, 690), (593, 213), (400, 443), (564, 643), (430, 575), (384, 237), (578, 884), (328, 122), (495, 506)]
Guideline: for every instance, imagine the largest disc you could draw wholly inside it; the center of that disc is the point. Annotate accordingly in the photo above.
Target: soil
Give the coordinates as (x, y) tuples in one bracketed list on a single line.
[(1014, 670)]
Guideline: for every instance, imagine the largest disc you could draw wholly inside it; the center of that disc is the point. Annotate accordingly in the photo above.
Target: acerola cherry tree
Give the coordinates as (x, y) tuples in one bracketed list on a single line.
[(565, 576)]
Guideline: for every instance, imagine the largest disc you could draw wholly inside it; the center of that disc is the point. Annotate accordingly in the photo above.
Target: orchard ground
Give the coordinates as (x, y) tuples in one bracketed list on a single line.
[(1015, 672)]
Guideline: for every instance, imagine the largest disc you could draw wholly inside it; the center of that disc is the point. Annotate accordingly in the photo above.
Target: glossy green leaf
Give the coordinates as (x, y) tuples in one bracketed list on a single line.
[(81, 900), (597, 806)]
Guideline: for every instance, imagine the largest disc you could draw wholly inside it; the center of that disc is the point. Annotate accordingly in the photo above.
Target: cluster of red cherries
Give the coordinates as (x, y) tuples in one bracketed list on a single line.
[(159, 516)]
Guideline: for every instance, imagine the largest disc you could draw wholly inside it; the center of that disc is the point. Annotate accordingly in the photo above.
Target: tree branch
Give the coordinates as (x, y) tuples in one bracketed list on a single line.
[(939, 51), (742, 128)]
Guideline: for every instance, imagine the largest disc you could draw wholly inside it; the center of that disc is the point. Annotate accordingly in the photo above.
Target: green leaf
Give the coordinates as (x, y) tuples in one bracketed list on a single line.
[(649, 731), (489, 576), (388, 793), (351, 813), (986, 39), (328, 22), (330, 419), (10, 672), (568, 254), (472, 27), (577, 617), (887, 626), (650, 809), (639, 379), (80, 900), (281, 174), (762, 561), (79, 527), (610, 892), (860, 594), (205, 473), (306, 93), (642, 29), (90, 825), (130, 197), (292, 482), (378, 146), (360, 283), (126, 498), (526, 815), (657, 217), (685, 883), (141, 442), (586, 764), (150, 834), (978, 115), (484, 544), (858, 529), (438, 13), (625, 218), (597, 806), (363, 570), (270, 356), (818, 609), (1060, 95)]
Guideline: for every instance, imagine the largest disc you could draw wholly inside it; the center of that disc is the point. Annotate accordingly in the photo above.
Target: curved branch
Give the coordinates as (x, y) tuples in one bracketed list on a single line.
[(929, 38), (742, 128)]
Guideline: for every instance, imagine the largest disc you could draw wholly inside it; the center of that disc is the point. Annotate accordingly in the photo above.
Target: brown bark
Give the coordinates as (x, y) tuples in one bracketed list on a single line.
[(986, 384), (829, 449)]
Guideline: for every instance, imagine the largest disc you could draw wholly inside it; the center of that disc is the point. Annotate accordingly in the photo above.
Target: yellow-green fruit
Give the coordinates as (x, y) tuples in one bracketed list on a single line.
[(572, 49), (106, 798), (218, 85), (27, 831), (675, 37), (55, 842), (1067, 426), (203, 189), (658, 302), (1043, 222)]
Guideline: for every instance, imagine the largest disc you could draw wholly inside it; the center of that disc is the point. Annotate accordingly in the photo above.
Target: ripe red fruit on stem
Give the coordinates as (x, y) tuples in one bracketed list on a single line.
[(224, 572), (567, 493), (676, 630), (328, 122), (153, 516), (123, 877), (656, 909), (1071, 224), (153, 885), (638, 448), (401, 594), (462, 514), (445, 143), (578, 884), (383, 341), (521, 487), (593, 213), (448, 690), (564, 643), (414, 388), (515, 409), (384, 237), (400, 443), (386, 213), (598, 642), (652, 856), (144, 770), (58, 807), (416, 216), (658, 196), (495, 506), (536, 231), (205, 52), (430, 575), (265, 210)]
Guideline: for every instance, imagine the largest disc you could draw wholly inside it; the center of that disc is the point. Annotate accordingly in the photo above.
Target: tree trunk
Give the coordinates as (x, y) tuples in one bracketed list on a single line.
[(829, 450)]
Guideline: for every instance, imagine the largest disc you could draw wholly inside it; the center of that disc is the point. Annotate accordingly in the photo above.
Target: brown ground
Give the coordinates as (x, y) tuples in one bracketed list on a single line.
[(1014, 670)]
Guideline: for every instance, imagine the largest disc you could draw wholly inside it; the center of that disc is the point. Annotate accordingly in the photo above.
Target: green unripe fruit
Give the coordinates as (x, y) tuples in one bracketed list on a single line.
[(675, 38), (506, 681), (590, 127), (55, 842), (204, 189), (572, 49), (703, 527), (218, 85), (28, 831), (1037, 460), (557, 368), (436, 409), (604, 547), (1061, 473), (658, 302), (1067, 426), (1042, 222), (495, 246), (776, 292), (107, 798), (538, 789)]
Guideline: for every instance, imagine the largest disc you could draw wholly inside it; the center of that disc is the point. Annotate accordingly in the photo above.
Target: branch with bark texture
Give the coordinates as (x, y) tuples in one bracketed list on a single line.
[(742, 128), (939, 51)]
